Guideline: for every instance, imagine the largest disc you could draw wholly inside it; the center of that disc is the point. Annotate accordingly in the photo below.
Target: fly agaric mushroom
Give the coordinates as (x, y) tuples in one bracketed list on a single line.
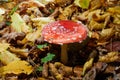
[(63, 32)]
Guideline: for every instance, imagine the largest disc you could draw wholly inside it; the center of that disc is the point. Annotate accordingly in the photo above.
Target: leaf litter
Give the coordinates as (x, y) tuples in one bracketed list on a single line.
[(23, 51)]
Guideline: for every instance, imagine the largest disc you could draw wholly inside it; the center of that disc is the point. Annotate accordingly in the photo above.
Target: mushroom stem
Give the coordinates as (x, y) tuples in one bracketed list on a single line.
[(64, 55)]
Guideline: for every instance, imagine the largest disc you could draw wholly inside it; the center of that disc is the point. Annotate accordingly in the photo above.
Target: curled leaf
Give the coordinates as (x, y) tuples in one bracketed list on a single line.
[(22, 52), (34, 35), (94, 25), (18, 24), (106, 34), (41, 21), (110, 57), (87, 65), (114, 10), (6, 56), (82, 3), (4, 46), (113, 46), (17, 67), (94, 4), (115, 13)]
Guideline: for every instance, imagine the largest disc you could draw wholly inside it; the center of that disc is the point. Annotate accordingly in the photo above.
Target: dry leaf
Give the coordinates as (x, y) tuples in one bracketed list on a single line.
[(5, 56), (82, 3), (18, 24), (115, 13), (105, 35), (3, 46), (110, 57), (94, 25), (41, 21), (17, 67), (87, 65), (33, 36)]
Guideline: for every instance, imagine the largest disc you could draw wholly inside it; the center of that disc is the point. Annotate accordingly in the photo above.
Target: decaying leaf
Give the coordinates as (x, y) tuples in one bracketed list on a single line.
[(106, 34), (41, 21), (67, 12), (17, 67), (93, 25), (94, 4), (4, 46), (13, 36), (33, 35), (87, 65), (64, 70), (22, 52), (21, 27), (6, 56), (45, 70), (115, 12), (18, 24), (62, 3), (110, 57), (113, 46), (54, 72), (97, 20), (95, 70)]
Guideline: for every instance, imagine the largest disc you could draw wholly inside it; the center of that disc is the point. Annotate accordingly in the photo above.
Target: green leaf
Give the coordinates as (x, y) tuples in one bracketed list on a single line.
[(40, 68), (48, 58), (8, 23), (13, 10), (82, 3), (51, 10), (42, 46)]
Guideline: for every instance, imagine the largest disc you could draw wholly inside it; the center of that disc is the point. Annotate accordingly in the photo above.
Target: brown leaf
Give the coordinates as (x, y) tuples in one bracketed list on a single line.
[(114, 46), (110, 57)]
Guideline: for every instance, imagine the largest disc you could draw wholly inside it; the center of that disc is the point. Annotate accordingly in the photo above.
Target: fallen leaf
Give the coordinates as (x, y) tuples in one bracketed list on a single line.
[(87, 65), (105, 35), (6, 56), (110, 57), (18, 24), (17, 67), (82, 3)]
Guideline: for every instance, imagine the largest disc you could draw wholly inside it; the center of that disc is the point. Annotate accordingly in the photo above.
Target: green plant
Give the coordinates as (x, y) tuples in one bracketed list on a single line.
[(41, 46), (46, 59)]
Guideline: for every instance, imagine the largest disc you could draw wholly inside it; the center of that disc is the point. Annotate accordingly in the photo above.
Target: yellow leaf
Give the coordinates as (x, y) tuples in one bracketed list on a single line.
[(87, 65), (110, 57), (18, 24), (17, 67), (6, 56), (3, 46), (34, 35), (114, 10)]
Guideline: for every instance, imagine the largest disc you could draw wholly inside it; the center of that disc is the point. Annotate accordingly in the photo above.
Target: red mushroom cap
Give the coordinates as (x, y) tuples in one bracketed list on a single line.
[(64, 31)]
